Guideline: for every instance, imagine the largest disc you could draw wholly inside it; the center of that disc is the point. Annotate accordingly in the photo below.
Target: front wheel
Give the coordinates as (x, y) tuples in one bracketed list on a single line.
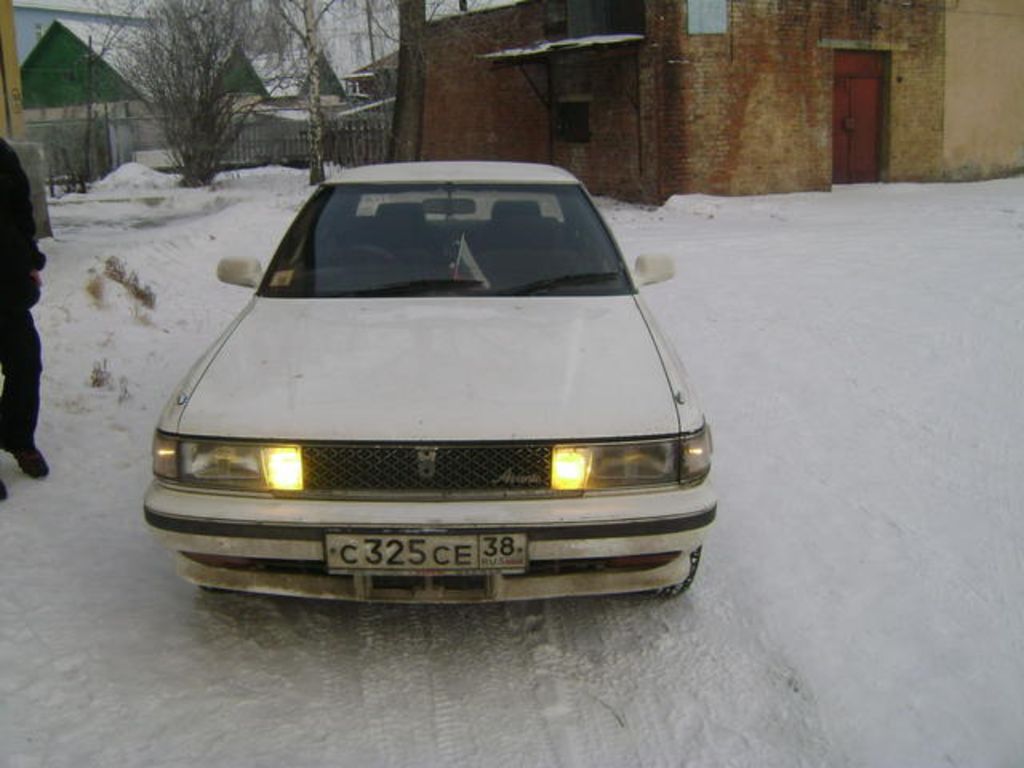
[(672, 590)]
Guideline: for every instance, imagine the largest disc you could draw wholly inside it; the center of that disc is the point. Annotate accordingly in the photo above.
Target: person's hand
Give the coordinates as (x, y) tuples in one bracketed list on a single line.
[(36, 278)]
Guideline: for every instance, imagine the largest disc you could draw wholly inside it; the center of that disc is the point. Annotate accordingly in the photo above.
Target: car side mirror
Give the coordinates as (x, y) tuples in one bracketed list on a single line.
[(654, 269), (243, 272)]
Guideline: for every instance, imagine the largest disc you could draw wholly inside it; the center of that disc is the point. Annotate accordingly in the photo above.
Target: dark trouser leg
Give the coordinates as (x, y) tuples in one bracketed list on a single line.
[(21, 360)]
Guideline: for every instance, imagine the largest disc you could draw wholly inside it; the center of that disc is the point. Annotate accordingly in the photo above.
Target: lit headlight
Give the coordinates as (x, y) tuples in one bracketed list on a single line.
[(282, 467), (614, 465), (243, 466), (570, 468)]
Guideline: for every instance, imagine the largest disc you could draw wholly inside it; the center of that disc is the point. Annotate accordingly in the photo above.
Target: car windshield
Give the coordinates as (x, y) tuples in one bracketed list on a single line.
[(378, 240)]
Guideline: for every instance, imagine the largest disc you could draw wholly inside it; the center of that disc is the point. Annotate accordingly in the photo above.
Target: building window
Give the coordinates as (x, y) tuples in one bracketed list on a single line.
[(605, 17), (707, 17), (39, 31), (556, 19), (573, 121)]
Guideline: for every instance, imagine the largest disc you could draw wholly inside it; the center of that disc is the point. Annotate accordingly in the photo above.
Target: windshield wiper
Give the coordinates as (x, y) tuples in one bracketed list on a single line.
[(415, 287), (562, 281)]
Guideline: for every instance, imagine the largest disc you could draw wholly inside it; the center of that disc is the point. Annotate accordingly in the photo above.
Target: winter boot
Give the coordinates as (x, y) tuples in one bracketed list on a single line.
[(32, 463)]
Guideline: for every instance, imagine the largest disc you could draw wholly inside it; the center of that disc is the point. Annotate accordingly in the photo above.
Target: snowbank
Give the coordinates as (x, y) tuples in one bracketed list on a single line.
[(860, 356), (134, 177)]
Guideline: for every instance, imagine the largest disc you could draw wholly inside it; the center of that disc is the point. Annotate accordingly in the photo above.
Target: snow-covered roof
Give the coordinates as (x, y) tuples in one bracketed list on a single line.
[(473, 172), (366, 107), (546, 47), (111, 40), (446, 9), (386, 62), (89, 7), (58, 6), (283, 75)]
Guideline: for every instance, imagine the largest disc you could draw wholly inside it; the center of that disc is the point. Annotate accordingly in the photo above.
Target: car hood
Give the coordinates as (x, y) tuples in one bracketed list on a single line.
[(440, 369)]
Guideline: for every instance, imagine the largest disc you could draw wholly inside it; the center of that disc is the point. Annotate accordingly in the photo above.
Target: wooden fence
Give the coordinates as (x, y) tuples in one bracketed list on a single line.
[(258, 145), (359, 140)]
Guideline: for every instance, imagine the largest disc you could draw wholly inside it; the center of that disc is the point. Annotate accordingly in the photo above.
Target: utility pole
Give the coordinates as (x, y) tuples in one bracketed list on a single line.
[(407, 128), (369, 30)]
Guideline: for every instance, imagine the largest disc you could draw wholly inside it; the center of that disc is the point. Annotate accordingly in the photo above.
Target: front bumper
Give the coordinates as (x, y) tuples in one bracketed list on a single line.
[(598, 544)]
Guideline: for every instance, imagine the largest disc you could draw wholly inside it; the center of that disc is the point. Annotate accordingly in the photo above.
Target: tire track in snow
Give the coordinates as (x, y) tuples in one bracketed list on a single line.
[(451, 732), (339, 712), (582, 646), (611, 634), (475, 678), (374, 698), (558, 698), (655, 723), (410, 649)]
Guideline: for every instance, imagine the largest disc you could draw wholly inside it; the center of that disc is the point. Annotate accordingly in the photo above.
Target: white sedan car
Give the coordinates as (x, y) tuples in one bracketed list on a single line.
[(446, 388)]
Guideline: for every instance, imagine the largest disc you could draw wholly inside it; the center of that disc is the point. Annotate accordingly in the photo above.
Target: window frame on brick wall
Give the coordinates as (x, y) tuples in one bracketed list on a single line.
[(604, 17), (572, 120), (707, 17)]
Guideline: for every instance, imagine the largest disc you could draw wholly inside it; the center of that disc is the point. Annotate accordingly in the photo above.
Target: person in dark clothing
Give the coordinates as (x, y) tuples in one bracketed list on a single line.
[(20, 349)]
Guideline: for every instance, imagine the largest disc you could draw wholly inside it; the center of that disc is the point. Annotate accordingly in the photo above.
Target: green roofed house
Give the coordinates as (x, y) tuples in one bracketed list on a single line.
[(72, 65), (285, 77), (78, 62), (79, 103), (77, 81)]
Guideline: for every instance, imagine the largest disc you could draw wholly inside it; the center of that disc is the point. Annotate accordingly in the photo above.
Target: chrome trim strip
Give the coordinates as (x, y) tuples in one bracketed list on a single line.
[(555, 531)]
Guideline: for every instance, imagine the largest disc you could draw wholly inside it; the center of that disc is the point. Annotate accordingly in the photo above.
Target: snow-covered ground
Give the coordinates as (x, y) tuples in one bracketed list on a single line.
[(861, 356)]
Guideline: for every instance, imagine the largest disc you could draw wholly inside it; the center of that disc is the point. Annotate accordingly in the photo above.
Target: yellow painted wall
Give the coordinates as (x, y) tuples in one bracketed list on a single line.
[(984, 111), (12, 122)]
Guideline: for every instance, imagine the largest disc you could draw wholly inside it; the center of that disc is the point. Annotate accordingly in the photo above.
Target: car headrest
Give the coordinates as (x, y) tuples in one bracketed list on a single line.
[(508, 210), (401, 215)]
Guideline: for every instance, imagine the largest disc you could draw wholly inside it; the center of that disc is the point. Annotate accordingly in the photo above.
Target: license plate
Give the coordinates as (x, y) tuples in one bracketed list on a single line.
[(504, 552)]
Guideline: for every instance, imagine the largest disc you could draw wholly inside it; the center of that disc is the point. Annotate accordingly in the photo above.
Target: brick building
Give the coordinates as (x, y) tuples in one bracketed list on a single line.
[(647, 99)]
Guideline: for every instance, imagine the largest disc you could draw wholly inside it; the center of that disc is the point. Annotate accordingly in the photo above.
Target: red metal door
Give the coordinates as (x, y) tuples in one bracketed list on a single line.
[(857, 117)]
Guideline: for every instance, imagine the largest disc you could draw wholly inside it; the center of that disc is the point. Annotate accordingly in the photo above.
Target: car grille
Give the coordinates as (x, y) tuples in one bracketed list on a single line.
[(432, 469)]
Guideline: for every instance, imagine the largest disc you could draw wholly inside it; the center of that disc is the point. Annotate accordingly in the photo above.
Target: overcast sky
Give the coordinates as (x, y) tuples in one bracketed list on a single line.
[(345, 30)]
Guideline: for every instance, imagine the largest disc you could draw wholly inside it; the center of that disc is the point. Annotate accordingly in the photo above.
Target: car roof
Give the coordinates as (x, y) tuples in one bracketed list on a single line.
[(455, 171)]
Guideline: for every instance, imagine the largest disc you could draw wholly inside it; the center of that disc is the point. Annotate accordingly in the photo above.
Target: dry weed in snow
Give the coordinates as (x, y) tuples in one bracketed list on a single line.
[(101, 376), (116, 270), (96, 288)]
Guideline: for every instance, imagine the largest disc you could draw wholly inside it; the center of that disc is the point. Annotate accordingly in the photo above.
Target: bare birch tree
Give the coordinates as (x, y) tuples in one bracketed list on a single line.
[(185, 61), (303, 17)]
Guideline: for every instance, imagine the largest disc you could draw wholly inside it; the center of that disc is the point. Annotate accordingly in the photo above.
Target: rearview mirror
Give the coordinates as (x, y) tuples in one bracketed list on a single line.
[(243, 272), (654, 269)]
